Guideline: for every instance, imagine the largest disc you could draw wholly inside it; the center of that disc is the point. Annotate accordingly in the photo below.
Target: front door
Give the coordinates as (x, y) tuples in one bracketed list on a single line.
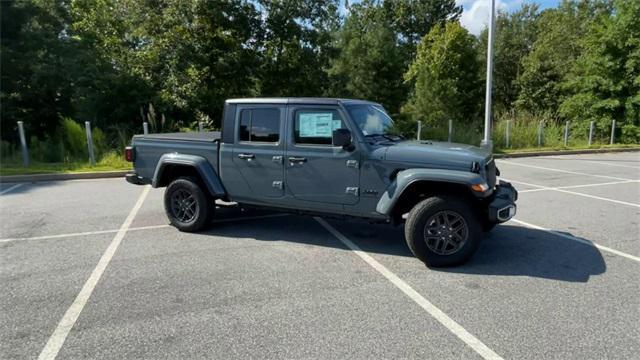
[(315, 170), (258, 151)]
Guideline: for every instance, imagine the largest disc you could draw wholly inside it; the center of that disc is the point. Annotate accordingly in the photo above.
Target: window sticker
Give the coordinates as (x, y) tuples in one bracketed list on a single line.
[(316, 125)]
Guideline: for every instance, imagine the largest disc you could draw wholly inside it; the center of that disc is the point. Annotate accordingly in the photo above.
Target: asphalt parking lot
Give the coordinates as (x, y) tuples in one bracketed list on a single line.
[(90, 269)]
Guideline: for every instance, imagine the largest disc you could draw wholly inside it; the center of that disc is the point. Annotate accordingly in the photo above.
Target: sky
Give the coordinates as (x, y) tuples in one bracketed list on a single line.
[(476, 12)]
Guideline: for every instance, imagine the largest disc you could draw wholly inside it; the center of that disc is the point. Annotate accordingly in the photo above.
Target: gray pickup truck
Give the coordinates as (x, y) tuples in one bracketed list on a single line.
[(328, 157)]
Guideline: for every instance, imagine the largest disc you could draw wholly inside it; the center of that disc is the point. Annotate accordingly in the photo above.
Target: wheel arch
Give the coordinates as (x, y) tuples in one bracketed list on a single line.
[(413, 185), (173, 166)]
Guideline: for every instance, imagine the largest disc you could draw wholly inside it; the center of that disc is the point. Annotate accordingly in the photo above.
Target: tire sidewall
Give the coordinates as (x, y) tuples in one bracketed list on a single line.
[(203, 214), (414, 231)]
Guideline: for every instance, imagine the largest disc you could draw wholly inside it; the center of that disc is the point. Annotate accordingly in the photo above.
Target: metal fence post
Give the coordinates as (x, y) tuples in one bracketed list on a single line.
[(507, 133), (590, 133), (145, 128), (566, 133), (92, 158), (540, 134), (450, 130), (613, 131), (200, 126), (419, 129), (23, 144)]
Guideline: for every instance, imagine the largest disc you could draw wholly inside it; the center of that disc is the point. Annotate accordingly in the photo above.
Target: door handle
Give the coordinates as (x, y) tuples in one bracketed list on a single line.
[(246, 156), (298, 160)]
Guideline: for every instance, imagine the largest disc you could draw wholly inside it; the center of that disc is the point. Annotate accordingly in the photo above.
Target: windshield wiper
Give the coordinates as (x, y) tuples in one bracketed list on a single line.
[(385, 137)]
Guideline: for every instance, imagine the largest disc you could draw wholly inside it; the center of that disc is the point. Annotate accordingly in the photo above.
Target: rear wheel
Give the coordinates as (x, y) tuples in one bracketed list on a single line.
[(443, 231), (188, 207)]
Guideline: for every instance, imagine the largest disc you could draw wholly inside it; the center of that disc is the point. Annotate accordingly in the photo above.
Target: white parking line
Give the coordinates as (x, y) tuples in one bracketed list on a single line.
[(151, 227), (542, 187), (605, 163), (477, 345), (86, 233), (578, 186), (59, 335), (563, 171), (570, 237), (9, 189)]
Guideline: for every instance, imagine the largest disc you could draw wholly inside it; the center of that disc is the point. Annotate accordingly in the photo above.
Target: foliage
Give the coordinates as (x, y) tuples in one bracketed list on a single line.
[(412, 20), (117, 63), (605, 78), (515, 35), (74, 139), (369, 65), (557, 45), (110, 161), (445, 73)]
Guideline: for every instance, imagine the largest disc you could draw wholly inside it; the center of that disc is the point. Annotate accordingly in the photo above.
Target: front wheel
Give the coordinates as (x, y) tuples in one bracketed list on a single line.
[(443, 231), (187, 206)]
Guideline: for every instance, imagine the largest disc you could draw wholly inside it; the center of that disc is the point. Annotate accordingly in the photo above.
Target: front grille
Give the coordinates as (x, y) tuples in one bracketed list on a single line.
[(490, 170)]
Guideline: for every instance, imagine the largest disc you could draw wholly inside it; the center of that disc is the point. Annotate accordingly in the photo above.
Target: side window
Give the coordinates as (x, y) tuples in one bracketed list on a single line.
[(315, 127), (260, 125)]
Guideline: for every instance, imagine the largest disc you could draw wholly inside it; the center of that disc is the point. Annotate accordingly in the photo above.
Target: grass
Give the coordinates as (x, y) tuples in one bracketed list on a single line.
[(109, 162)]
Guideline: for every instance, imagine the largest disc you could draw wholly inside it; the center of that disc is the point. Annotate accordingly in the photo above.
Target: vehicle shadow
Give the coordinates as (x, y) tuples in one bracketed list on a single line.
[(507, 251)]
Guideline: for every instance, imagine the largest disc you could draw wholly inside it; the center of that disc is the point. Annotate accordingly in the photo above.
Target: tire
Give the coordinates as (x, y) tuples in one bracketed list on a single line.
[(188, 207), (425, 240)]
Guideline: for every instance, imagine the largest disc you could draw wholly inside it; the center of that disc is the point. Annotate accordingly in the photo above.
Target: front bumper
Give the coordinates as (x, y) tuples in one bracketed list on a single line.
[(503, 205)]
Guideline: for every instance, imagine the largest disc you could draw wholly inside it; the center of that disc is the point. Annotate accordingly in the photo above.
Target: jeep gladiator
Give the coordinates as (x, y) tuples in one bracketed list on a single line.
[(328, 157)]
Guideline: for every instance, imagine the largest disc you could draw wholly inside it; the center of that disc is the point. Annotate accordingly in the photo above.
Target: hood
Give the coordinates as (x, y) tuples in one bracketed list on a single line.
[(436, 154)]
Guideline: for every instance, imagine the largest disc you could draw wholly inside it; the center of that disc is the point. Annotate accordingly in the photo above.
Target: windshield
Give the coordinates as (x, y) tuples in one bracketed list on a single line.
[(371, 119)]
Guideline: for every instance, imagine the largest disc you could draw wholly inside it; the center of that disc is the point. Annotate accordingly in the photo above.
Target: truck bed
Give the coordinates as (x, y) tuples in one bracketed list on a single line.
[(206, 136)]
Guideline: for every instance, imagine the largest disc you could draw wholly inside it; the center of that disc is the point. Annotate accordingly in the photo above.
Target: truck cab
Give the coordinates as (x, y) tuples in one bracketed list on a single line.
[(333, 157)]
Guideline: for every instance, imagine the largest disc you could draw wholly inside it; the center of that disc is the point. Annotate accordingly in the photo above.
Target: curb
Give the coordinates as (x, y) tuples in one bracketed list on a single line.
[(565, 152), (66, 176)]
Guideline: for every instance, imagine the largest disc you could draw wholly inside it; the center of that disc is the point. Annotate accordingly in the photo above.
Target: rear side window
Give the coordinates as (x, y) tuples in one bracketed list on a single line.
[(260, 125), (315, 127)]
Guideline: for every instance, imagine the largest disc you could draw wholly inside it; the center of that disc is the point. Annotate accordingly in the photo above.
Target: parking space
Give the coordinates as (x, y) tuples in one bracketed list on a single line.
[(560, 281)]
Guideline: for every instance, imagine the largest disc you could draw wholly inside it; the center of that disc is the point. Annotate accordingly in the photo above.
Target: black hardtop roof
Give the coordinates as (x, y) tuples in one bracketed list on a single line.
[(299, 100)]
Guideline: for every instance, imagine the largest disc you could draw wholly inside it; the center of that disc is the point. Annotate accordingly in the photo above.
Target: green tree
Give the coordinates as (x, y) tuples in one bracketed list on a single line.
[(182, 56), (445, 73), (296, 47), (37, 58), (605, 78), (553, 53), (515, 34), (370, 64), (411, 20)]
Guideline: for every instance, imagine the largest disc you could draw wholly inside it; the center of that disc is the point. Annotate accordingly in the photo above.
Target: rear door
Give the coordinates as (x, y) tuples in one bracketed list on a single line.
[(315, 170), (259, 149)]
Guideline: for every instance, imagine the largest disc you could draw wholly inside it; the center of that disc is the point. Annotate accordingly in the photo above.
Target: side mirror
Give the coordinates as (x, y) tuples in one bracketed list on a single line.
[(342, 138)]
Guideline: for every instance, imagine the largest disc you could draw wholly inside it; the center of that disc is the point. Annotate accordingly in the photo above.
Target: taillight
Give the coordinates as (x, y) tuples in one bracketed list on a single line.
[(129, 154)]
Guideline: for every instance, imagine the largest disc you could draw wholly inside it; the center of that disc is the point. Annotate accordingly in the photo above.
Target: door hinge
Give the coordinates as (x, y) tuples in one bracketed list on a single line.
[(278, 185), (352, 191), (277, 159), (352, 163)]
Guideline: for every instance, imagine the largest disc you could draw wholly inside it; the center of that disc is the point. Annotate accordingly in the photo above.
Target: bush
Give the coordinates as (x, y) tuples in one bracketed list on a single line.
[(8, 152), (630, 134), (74, 140), (100, 146)]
